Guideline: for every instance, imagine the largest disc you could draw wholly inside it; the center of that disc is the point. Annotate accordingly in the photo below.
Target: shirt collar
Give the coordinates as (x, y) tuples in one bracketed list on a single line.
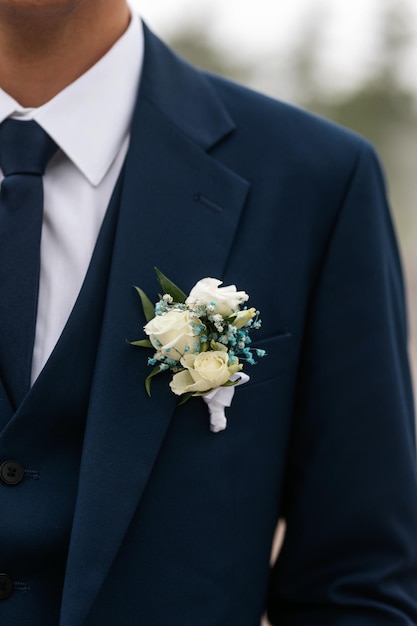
[(90, 119)]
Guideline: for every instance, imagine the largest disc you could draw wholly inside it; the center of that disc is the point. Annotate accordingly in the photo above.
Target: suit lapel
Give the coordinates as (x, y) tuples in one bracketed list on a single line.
[(179, 211)]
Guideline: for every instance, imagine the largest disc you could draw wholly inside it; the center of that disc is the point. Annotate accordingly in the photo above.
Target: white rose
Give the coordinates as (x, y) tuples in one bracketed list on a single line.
[(203, 372), (172, 334), (226, 299)]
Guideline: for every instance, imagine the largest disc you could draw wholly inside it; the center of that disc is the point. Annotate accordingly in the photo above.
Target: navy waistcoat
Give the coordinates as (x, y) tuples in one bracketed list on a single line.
[(45, 436)]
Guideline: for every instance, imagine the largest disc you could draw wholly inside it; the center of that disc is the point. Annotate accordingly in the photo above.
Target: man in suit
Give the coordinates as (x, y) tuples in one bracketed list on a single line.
[(123, 510)]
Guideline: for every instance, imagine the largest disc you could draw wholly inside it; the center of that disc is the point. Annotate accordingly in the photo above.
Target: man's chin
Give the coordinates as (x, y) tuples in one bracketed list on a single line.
[(38, 9)]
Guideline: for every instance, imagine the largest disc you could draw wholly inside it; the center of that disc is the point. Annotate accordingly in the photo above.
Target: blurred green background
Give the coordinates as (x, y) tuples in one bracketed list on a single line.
[(377, 99)]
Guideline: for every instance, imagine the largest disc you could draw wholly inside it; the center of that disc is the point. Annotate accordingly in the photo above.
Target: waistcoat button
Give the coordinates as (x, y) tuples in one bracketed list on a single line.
[(11, 472), (6, 586)]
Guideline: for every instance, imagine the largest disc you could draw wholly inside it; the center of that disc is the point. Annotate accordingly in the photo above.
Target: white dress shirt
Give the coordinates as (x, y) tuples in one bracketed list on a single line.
[(89, 120)]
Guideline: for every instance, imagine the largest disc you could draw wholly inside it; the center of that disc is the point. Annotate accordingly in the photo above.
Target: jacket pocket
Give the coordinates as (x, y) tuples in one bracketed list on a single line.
[(279, 359)]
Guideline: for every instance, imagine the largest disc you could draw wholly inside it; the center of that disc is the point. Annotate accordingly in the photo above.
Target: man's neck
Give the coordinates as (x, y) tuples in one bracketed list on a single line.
[(45, 48)]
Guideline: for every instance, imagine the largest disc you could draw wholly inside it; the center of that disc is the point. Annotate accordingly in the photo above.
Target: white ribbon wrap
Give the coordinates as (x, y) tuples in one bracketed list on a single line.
[(220, 398)]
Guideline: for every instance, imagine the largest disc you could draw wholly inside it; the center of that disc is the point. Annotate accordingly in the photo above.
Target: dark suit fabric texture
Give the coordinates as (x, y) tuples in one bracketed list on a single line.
[(172, 524)]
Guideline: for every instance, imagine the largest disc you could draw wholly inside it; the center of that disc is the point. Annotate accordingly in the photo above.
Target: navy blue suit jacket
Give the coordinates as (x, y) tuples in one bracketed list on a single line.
[(173, 524)]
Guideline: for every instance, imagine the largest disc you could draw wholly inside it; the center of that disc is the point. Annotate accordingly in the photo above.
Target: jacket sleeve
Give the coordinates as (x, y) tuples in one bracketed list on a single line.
[(350, 550)]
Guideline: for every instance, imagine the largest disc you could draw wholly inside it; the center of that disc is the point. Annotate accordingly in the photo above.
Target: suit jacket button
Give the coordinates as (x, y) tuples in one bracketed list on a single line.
[(11, 472), (6, 586)]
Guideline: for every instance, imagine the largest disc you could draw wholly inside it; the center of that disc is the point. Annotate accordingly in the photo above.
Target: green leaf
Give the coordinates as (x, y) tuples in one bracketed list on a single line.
[(142, 343), (230, 383), (156, 370), (184, 397), (169, 287), (148, 307)]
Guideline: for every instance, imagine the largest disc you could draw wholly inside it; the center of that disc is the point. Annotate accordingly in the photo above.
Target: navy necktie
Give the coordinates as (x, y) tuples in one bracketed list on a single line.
[(25, 149)]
